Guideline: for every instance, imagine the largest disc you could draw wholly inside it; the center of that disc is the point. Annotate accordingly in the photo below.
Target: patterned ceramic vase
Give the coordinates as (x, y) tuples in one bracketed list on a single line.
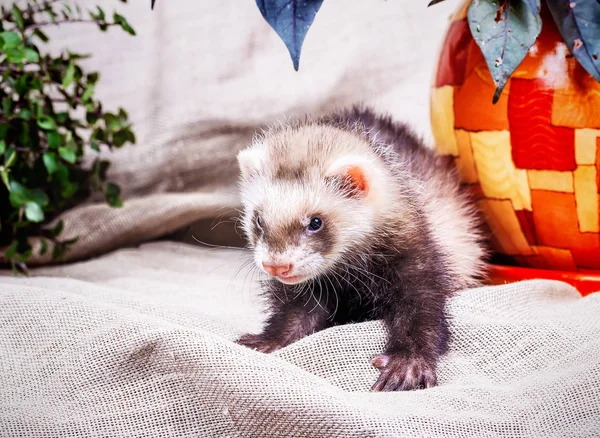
[(533, 158)]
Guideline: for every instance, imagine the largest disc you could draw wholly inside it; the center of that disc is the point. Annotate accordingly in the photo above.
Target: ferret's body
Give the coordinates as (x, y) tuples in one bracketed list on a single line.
[(355, 219)]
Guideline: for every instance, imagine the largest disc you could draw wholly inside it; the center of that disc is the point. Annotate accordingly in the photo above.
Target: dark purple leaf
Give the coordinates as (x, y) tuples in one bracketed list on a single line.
[(579, 24), (291, 19), (533, 5), (504, 31)]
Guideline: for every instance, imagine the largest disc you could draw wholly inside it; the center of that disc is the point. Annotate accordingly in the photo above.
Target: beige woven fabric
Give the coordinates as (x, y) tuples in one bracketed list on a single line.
[(202, 76), (139, 344)]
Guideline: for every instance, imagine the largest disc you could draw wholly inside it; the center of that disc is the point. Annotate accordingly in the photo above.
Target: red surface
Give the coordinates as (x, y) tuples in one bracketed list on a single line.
[(584, 283), (454, 55), (556, 223), (586, 258), (598, 163), (536, 144), (527, 225)]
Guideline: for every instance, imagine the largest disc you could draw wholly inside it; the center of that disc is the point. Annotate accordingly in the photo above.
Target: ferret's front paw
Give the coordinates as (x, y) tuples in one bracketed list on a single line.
[(400, 373), (259, 343)]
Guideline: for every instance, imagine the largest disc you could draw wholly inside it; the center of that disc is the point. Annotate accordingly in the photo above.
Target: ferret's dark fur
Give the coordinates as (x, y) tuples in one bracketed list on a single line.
[(398, 237)]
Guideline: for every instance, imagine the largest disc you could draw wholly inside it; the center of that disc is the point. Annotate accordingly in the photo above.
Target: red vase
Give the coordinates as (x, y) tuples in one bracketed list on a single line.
[(533, 158)]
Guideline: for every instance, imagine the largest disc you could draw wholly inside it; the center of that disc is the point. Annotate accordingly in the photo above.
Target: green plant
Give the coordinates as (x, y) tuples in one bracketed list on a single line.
[(50, 119)]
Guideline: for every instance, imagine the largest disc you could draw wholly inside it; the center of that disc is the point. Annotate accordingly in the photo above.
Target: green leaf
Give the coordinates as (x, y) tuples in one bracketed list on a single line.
[(11, 250), (70, 241), (54, 140), (62, 117), (44, 248), (25, 114), (50, 162), (21, 195), (112, 122), (11, 39), (119, 19), (31, 55), (112, 194), (68, 189), (18, 17), (101, 15), (47, 123), (91, 117), (504, 31), (62, 174), (67, 154), (4, 177), (7, 105), (89, 92), (15, 55), (55, 232), (579, 24), (18, 194), (10, 156), (2, 146), (58, 252), (41, 35), (121, 137), (99, 134), (39, 197), (36, 84), (92, 78), (68, 76), (33, 212)]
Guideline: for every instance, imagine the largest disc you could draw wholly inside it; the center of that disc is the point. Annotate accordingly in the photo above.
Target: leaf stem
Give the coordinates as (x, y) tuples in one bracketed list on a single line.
[(39, 24)]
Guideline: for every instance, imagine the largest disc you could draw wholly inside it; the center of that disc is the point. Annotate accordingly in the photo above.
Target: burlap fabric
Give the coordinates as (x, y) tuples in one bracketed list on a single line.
[(139, 344)]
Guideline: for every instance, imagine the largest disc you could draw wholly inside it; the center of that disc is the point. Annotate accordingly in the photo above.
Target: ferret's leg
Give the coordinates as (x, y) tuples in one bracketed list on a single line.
[(418, 334), (292, 318)]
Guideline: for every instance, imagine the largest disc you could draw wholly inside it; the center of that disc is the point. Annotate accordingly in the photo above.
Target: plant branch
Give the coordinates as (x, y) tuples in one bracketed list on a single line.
[(30, 10), (39, 24)]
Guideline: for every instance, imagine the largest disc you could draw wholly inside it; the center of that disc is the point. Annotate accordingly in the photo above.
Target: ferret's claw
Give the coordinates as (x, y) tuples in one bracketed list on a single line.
[(258, 343), (399, 373)]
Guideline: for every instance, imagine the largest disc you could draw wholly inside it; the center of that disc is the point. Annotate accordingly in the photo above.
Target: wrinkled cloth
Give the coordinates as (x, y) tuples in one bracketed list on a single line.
[(139, 343)]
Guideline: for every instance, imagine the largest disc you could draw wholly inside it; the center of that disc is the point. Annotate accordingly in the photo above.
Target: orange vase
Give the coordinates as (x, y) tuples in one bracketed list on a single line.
[(533, 158)]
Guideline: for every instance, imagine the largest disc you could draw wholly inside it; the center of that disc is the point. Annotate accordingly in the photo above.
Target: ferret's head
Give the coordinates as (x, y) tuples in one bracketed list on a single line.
[(311, 197)]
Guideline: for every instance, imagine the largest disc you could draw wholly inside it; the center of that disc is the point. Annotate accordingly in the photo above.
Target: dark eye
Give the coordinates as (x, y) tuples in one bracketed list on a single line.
[(315, 225), (258, 223)]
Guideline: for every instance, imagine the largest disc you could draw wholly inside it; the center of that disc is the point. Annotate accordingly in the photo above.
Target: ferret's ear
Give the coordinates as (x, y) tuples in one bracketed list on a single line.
[(353, 174), (251, 159)]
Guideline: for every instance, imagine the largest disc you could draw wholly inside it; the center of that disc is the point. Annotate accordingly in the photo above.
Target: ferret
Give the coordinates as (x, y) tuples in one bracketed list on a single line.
[(353, 218)]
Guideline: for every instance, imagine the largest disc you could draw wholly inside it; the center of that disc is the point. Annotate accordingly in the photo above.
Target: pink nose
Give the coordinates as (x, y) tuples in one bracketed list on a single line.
[(277, 270)]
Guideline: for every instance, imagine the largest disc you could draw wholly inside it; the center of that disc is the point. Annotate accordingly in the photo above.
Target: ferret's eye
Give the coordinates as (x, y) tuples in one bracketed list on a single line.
[(314, 225), (258, 223)]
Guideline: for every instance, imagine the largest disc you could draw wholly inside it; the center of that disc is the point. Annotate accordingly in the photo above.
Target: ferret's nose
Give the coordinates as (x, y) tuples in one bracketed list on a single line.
[(277, 270)]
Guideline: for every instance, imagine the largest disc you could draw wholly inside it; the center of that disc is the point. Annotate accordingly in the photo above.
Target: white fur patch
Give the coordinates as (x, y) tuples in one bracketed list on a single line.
[(251, 159)]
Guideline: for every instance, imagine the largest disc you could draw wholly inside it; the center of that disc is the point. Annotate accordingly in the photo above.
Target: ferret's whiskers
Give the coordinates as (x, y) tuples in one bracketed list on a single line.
[(213, 246), (318, 302)]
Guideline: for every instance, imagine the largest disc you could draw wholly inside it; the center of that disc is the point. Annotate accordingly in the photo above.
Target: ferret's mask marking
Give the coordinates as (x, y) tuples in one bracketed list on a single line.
[(336, 195)]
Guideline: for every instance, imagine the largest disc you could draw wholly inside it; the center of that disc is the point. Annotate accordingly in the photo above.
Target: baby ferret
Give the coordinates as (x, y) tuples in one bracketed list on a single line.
[(354, 219)]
